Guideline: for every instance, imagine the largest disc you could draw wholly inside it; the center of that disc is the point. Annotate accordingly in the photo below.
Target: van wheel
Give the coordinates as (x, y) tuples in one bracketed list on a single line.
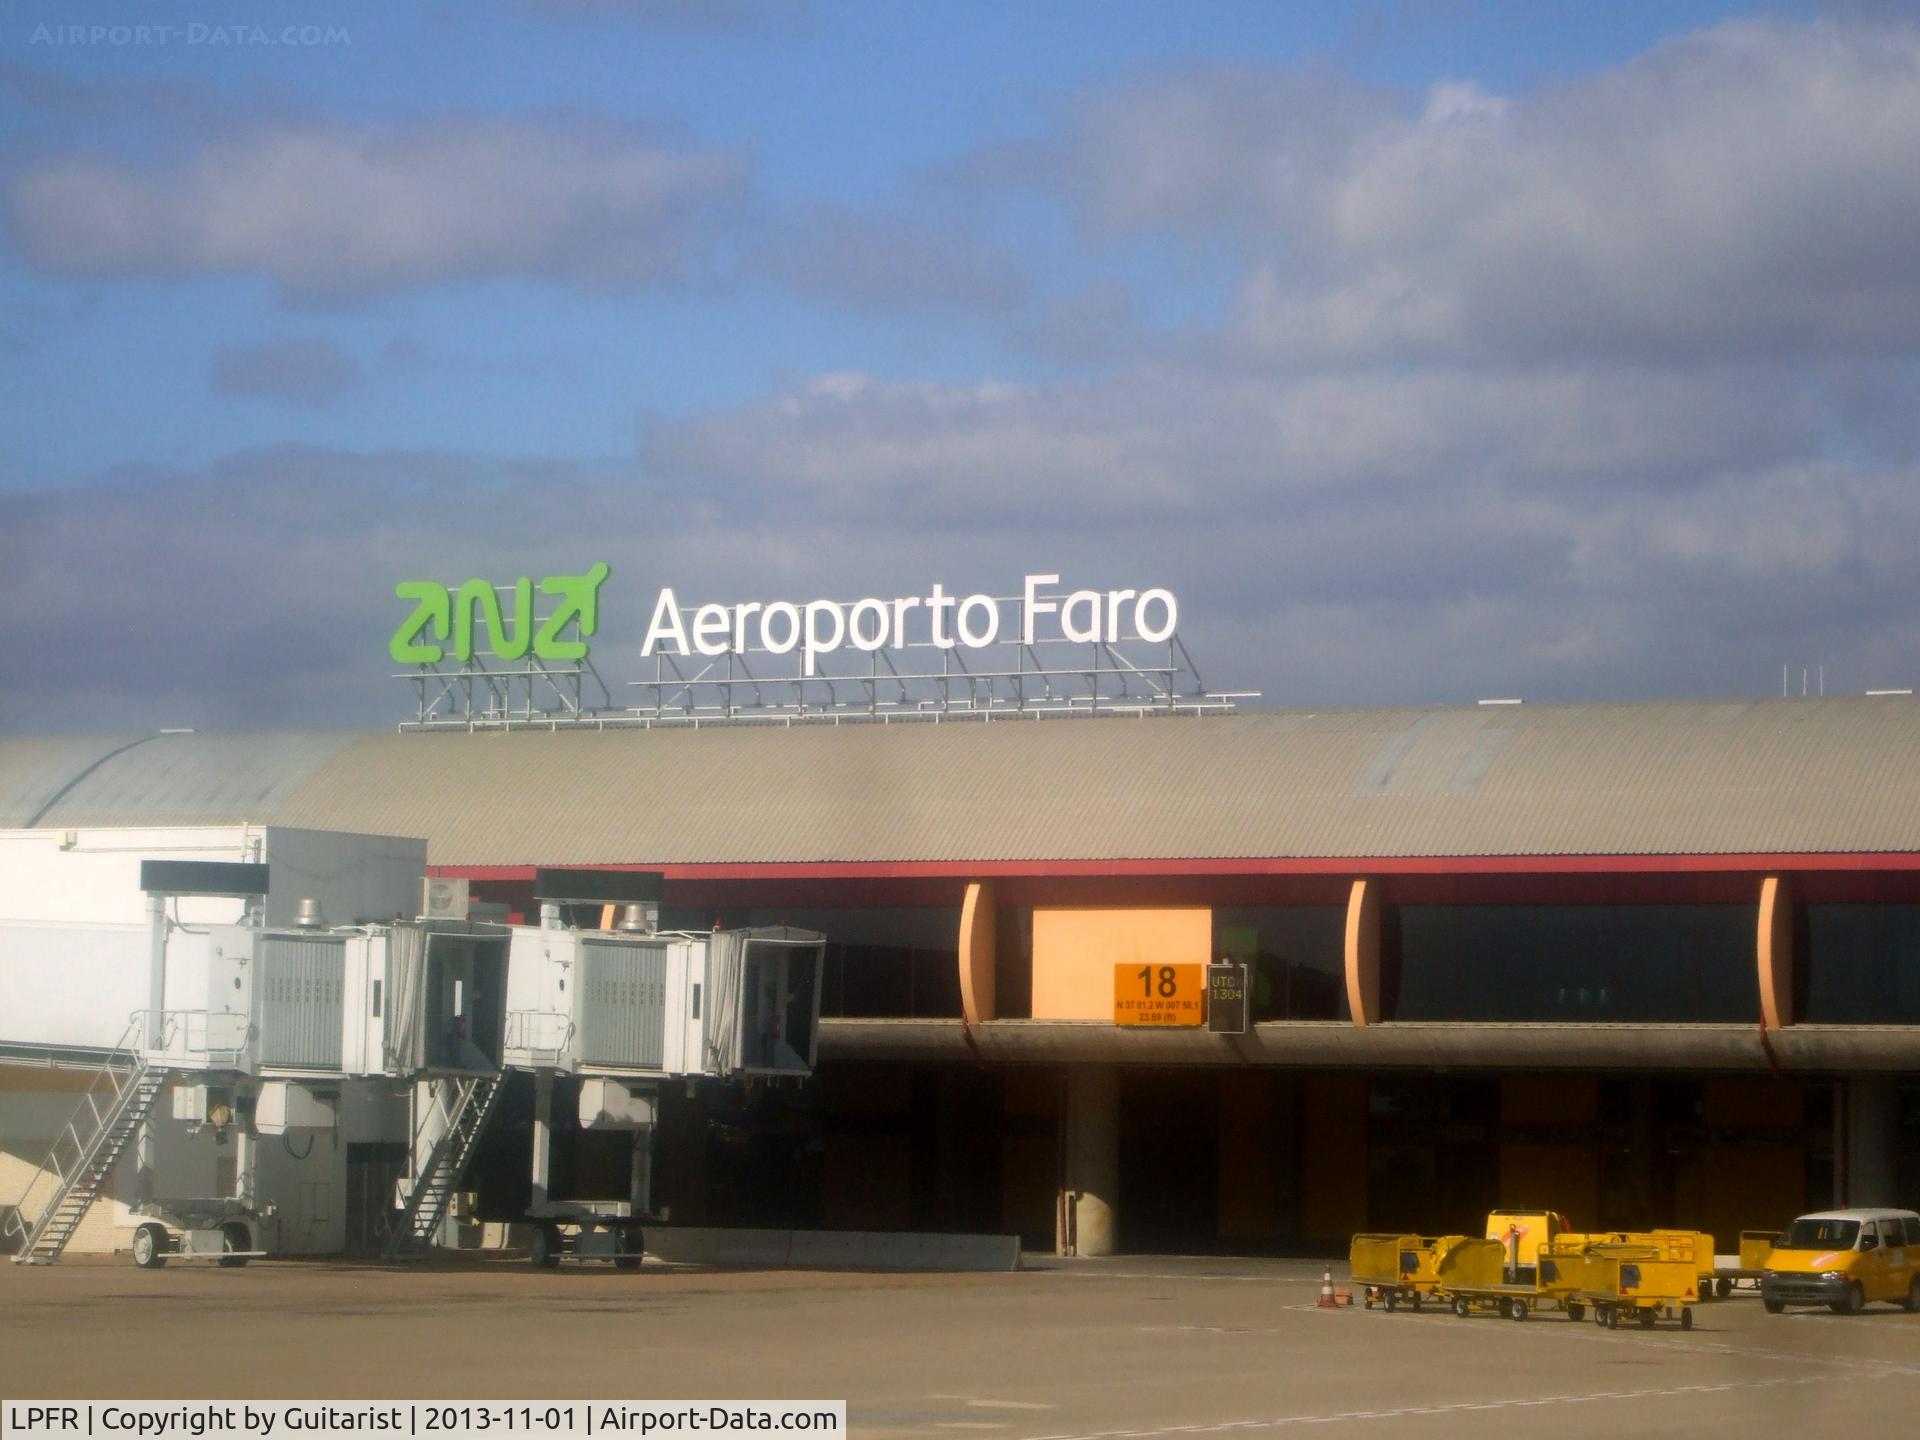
[(1772, 1307), (1912, 1302), (1855, 1302), (234, 1236)]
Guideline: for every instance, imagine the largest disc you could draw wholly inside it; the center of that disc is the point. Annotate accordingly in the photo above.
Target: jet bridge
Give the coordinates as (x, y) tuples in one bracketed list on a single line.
[(251, 1030), (627, 1009)]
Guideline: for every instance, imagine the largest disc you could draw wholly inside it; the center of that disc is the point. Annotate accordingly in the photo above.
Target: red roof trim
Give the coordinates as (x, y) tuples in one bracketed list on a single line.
[(1374, 865)]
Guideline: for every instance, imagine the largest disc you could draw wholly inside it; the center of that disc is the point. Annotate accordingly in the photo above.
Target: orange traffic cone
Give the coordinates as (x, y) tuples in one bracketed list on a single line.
[(1327, 1302)]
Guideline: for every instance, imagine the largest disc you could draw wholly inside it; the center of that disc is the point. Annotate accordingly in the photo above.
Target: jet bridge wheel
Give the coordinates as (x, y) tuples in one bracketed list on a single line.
[(234, 1236), (150, 1246), (630, 1247), (545, 1249)]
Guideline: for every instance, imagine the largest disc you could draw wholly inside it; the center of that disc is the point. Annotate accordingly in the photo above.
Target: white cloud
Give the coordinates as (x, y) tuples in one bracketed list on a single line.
[(331, 209), (1748, 189)]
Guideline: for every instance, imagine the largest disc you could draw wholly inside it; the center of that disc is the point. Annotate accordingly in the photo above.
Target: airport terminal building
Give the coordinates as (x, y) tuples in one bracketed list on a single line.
[(1642, 963)]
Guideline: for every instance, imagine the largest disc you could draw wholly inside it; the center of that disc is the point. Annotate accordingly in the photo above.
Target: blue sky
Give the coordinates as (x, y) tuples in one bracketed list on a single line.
[(1429, 344)]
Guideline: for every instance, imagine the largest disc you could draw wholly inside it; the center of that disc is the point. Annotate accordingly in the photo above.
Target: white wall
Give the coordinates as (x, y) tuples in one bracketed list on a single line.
[(73, 936)]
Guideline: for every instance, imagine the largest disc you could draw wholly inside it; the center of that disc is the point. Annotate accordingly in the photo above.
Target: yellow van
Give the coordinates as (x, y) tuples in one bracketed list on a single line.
[(1844, 1258)]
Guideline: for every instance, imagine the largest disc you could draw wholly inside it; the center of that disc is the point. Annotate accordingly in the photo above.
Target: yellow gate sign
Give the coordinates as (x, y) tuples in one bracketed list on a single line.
[(1159, 994)]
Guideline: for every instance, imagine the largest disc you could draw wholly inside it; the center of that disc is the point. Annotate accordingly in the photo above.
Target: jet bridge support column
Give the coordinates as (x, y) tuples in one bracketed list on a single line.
[(542, 1136)]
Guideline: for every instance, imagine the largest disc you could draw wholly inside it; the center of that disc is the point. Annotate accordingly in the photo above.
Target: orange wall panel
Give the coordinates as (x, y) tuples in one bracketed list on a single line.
[(1075, 950)]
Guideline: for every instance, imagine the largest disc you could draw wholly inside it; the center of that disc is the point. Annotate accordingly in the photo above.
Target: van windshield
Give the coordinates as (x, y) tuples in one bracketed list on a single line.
[(1820, 1235)]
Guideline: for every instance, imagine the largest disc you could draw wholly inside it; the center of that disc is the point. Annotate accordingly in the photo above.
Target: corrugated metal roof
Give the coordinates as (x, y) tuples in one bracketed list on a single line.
[(1821, 776), (172, 778)]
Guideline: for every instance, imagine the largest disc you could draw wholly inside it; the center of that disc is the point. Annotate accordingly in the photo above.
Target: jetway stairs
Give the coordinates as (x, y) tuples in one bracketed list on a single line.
[(82, 1160), (473, 1102)]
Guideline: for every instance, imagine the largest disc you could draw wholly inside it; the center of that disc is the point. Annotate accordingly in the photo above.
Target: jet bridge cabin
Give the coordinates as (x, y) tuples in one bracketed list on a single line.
[(394, 1000), (624, 999)]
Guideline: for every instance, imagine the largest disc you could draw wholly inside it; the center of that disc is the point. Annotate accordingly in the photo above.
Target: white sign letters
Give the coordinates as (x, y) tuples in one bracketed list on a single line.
[(820, 627)]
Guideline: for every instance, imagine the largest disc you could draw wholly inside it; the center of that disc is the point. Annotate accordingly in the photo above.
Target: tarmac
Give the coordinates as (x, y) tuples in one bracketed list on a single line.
[(1135, 1348)]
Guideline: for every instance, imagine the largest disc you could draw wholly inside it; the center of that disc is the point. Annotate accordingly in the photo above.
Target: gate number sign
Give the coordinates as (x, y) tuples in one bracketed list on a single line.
[(1159, 995)]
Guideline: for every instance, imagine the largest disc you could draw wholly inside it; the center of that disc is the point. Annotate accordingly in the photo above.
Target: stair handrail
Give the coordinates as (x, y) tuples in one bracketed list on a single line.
[(118, 1073)]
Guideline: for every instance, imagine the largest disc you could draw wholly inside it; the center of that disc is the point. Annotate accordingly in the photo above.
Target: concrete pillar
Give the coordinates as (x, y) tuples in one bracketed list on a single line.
[(1091, 1184), (542, 1137), (1871, 1139)]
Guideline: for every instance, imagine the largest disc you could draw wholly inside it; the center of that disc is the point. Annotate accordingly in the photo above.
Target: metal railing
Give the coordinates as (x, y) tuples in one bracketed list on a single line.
[(214, 1038), (77, 1141), (542, 1036)]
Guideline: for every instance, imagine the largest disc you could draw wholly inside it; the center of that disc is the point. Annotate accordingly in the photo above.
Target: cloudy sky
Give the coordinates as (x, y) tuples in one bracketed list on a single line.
[(1428, 349)]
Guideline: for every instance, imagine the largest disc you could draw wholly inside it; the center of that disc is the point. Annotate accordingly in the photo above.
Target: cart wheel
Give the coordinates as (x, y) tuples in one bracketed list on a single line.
[(1366, 1302), (1460, 1306), (1721, 1289), (545, 1250), (1599, 1314), (1613, 1318), (1645, 1318), (1415, 1302), (1393, 1301), (1506, 1309), (1686, 1318), (234, 1236), (1575, 1310), (150, 1247), (1516, 1309), (631, 1247), (1772, 1307)]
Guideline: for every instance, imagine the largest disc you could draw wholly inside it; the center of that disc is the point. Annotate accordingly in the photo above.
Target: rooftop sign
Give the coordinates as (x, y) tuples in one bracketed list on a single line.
[(481, 655), (943, 621)]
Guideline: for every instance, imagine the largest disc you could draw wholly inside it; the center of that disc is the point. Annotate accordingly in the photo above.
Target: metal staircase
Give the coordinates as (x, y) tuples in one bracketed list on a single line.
[(81, 1162), (432, 1190)]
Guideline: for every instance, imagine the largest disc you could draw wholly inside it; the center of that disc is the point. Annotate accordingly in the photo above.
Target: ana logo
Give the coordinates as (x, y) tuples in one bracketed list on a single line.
[(439, 614)]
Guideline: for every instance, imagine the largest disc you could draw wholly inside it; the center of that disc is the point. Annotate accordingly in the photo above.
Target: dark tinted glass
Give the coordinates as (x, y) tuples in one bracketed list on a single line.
[(1295, 958), (1863, 964), (1578, 963), (888, 962)]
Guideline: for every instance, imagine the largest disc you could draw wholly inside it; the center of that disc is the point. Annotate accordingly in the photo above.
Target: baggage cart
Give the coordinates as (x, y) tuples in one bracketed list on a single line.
[(1480, 1276), (1619, 1281), (1756, 1248), (1397, 1269)]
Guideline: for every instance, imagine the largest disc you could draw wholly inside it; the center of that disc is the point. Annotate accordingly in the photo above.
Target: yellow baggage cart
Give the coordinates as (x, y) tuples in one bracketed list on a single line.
[(1636, 1280), (1397, 1269), (1756, 1248), (1480, 1276)]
